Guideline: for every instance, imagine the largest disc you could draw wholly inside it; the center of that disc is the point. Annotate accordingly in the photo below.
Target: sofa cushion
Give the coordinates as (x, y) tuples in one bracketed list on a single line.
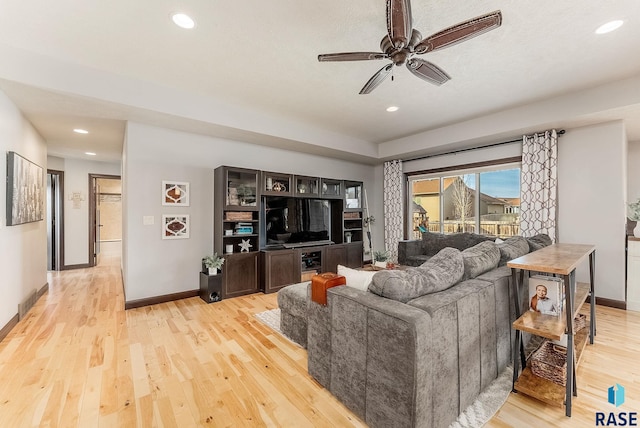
[(359, 279), (434, 242), (512, 248), (480, 258), (539, 241), (416, 260), (438, 273), (294, 299)]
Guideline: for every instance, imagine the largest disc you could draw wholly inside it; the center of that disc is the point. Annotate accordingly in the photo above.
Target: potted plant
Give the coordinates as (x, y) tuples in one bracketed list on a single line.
[(380, 258), (347, 237), (634, 214), (213, 263)]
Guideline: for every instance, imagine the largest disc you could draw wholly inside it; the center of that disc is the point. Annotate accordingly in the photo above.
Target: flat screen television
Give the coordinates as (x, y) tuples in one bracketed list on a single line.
[(292, 222)]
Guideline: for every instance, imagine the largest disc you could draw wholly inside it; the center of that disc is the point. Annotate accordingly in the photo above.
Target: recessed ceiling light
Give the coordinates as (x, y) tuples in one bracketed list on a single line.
[(392, 108), (183, 21), (89, 153), (80, 131), (609, 27)]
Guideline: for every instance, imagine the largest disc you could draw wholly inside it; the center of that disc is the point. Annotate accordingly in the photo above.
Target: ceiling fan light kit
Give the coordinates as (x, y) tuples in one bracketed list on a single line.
[(402, 42)]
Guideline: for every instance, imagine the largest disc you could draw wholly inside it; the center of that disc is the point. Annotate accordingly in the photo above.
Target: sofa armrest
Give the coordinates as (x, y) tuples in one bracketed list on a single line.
[(380, 361)]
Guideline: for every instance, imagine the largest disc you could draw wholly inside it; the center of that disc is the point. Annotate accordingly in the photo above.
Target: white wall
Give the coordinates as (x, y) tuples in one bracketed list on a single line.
[(23, 247), (463, 158), (591, 194), (154, 266), (76, 219), (633, 171), (55, 163)]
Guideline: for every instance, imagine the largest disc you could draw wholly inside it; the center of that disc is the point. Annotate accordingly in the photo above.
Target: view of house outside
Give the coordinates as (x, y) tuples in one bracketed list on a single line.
[(480, 202)]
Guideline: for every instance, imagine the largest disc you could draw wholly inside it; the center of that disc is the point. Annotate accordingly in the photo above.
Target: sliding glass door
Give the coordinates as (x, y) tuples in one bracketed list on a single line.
[(484, 200)]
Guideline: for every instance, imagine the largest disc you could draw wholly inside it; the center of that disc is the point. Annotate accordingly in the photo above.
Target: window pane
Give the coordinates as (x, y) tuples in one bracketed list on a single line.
[(425, 206), (500, 203), (459, 196)]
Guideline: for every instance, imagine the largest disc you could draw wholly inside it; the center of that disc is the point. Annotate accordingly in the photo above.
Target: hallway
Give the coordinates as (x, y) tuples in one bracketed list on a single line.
[(110, 253)]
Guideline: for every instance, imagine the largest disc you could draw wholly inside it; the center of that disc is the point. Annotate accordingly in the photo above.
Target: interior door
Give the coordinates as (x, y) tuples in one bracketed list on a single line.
[(98, 224), (55, 241)]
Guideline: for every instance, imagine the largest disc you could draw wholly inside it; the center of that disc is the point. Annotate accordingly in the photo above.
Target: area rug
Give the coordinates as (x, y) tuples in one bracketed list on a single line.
[(476, 415), (271, 318), (487, 403)]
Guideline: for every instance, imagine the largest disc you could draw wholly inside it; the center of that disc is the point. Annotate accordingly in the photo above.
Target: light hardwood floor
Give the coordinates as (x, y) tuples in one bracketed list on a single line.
[(79, 359)]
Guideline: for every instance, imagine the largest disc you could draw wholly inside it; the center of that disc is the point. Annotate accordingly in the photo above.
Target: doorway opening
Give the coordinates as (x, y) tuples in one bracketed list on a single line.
[(105, 217), (55, 220)]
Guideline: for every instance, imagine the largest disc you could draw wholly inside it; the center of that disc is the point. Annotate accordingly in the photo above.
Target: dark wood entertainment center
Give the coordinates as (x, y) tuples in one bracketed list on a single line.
[(239, 221)]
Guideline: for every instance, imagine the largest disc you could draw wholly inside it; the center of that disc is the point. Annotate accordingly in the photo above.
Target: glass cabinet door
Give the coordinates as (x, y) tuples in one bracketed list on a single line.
[(242, 188), (274, 183), (331, 188), (307, 186), (352, 195)]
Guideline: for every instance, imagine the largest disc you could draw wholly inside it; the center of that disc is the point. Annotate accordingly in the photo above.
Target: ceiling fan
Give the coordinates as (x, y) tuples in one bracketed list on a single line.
[(403, 42)]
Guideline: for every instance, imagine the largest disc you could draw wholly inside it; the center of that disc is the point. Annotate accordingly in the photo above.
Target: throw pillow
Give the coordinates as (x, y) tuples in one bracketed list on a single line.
[(539, 241), (480, 258), (359, 279), (437, 274), (512, 248)]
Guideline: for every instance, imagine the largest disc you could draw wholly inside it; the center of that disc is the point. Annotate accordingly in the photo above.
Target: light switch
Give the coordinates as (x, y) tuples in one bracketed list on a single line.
[(148, 220)]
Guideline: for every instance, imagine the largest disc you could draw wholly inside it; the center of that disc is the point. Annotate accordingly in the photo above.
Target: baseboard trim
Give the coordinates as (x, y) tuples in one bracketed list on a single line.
[(81, 266), (161, 299), (609, 302), (7, 328), (124, 289), (43, 290)]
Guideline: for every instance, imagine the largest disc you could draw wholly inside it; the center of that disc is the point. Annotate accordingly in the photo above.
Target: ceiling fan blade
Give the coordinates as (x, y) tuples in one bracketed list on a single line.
[(376, 79), (399, 22), (352, 56), (460, 32), (427, 71)]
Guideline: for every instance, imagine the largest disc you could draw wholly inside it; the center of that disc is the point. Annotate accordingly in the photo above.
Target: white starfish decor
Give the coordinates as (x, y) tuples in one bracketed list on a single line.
[(245, 245)]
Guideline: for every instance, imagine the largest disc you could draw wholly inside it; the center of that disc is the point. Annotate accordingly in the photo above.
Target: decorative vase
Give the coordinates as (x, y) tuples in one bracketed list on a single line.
[(213, 271), (636, 230)]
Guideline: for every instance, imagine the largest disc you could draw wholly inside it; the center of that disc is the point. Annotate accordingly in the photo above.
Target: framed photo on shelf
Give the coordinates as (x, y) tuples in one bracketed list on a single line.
[(546, 294), (175, 226), (175, 193)]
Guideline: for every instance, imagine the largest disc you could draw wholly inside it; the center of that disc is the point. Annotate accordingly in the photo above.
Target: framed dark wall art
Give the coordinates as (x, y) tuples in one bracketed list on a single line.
[(25, 190)]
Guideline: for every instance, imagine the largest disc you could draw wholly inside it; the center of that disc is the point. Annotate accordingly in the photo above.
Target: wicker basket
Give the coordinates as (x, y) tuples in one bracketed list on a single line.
[(550, 362), (239, 215), (579, 322)]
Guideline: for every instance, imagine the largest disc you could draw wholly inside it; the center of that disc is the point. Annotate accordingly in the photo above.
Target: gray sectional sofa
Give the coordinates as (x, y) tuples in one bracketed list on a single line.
[(420, 345)]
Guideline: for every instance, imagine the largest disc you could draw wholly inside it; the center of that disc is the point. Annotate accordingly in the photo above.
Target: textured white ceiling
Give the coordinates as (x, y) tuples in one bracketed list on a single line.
[(261, 57)]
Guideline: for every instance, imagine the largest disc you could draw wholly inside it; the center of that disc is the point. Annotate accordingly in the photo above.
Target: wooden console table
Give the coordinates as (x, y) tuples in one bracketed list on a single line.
[(562, 260)]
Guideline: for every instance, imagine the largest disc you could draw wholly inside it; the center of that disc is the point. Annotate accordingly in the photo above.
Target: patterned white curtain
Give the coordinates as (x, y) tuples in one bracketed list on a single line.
[(393, 207), (539, 184)]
